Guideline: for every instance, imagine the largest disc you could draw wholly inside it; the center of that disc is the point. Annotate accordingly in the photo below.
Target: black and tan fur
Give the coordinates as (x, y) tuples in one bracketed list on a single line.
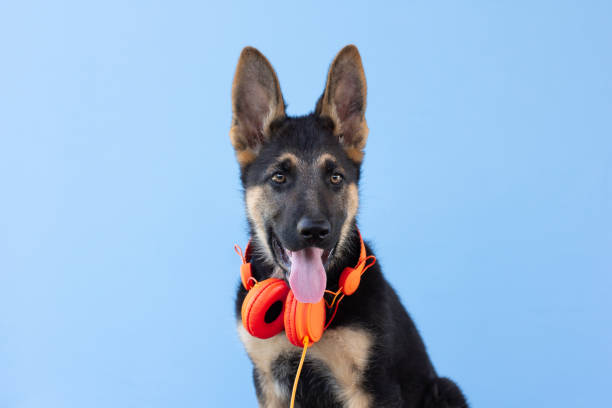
[(305, 170)]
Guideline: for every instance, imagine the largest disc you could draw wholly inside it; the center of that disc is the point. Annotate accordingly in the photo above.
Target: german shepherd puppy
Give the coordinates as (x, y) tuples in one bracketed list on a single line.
[(300, 178)]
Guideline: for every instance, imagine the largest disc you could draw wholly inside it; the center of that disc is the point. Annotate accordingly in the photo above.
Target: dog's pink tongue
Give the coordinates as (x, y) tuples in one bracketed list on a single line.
[(307, 278)]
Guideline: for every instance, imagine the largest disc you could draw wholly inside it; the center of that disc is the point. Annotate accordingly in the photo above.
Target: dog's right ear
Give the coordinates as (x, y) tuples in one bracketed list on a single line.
[(257, 101)]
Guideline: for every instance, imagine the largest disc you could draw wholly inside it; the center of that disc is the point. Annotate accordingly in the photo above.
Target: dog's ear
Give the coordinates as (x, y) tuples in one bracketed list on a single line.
[(257, 101), (344, 101)]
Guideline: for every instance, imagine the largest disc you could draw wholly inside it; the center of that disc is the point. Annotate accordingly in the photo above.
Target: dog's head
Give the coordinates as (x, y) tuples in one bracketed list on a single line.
[(300, 174)]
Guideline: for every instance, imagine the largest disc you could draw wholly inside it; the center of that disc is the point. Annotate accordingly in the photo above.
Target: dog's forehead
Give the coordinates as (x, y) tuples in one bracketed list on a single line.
[(305, 160), (305, 144), (303, 141)]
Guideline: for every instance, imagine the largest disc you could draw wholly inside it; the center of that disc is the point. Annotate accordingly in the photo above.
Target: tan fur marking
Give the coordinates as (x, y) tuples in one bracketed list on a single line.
[(254, 202), (324, 158), (263, 353), (295, 161), (345, 351), (245, 156), (271, 398), (355, 155), (352, 200)]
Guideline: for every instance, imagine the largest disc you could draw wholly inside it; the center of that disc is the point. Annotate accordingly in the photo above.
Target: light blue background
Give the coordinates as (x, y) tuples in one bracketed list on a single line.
[(487, 190)]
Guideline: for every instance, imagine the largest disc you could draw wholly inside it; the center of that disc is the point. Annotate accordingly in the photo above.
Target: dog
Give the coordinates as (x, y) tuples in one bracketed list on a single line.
[(300, 177)]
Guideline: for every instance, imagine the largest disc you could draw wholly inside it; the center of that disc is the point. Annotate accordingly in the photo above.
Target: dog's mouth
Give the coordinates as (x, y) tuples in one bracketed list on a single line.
[(305, 270), (283, 255)]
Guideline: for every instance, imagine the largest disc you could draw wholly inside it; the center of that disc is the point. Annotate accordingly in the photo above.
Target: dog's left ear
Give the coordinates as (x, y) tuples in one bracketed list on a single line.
[(257, 101), (344, 101)]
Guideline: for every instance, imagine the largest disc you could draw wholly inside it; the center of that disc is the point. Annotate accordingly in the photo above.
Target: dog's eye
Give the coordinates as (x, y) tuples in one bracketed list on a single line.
[(279, 178), (336, 178)]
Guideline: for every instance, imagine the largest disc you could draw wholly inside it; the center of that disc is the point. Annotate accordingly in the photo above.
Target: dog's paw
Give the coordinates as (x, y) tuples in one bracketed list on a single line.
[(444, 393)]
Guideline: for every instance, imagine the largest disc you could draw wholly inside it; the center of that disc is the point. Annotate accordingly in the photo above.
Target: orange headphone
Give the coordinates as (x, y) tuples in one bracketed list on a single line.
[(270, 305)]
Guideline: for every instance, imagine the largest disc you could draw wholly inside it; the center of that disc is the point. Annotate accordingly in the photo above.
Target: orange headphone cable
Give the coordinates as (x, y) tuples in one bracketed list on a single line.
[(299, 370)]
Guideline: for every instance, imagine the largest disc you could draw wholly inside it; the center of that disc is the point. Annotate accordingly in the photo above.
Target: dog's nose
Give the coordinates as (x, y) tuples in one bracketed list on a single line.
[(313, 229)]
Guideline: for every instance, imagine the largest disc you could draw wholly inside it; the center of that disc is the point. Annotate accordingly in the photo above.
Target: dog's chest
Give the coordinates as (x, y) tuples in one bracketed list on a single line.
[(339, 360)]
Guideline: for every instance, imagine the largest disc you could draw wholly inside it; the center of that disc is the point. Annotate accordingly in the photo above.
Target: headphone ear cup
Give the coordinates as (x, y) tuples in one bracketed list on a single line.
[(303, 319), (349, 280), (289, 318), (263, 308)]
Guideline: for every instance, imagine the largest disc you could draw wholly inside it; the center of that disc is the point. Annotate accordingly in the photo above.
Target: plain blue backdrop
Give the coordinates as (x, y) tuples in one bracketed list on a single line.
[(487, 191)]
